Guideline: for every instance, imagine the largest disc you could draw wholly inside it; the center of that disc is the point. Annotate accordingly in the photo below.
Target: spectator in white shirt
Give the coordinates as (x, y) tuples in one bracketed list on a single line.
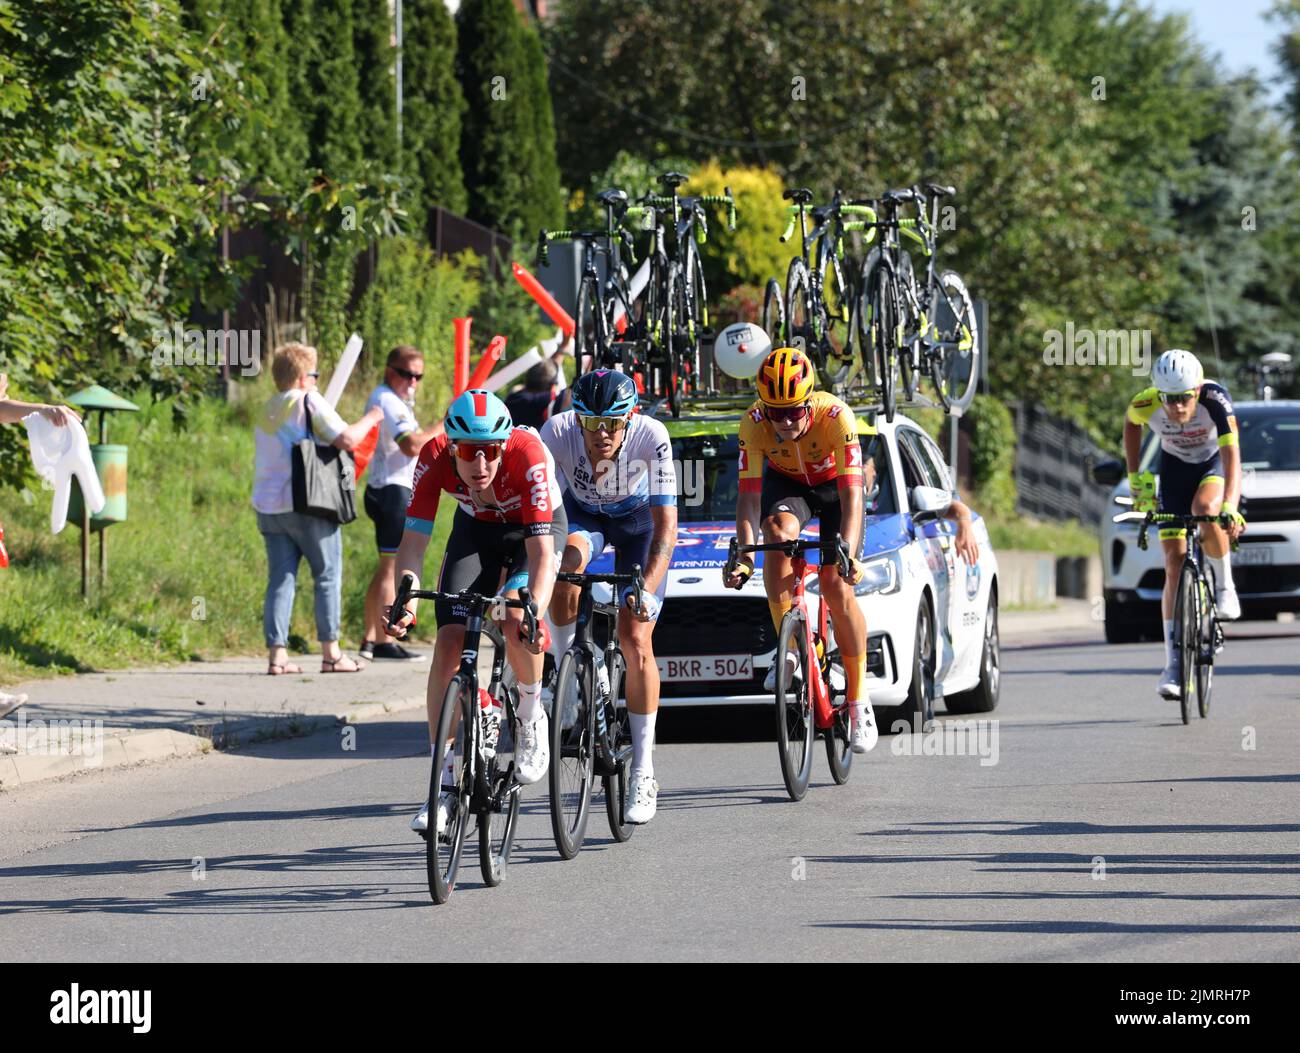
[(388, 488)]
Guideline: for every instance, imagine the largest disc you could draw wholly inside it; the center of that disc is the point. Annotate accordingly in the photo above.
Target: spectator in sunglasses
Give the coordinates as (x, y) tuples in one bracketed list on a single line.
[(388, 488)]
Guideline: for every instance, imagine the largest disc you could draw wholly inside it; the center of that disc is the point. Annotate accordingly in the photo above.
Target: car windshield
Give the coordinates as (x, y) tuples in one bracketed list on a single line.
[(709, 478), (1270, 440)]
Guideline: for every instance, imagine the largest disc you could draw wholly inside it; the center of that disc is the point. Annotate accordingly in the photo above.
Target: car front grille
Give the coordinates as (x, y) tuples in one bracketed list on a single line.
[(1250, 581), (694, 625), (1271, 509)]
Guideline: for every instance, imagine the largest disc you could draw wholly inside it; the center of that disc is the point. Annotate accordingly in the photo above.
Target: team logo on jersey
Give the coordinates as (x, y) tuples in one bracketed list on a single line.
[(833, 412), (823, 466), (853, 455), (744, 459), (756, 415)]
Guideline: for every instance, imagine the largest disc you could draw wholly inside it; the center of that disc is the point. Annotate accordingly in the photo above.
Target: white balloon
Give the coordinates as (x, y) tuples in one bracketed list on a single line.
[(740, 349)]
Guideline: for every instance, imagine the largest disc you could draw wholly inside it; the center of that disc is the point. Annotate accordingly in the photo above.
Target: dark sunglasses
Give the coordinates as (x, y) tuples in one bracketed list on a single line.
[(467, 451), (406, 373), (1178, 399), (787, 416)]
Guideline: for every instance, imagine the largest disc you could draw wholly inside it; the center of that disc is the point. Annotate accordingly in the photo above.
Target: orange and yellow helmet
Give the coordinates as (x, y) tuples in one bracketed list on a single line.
[(786, 378)]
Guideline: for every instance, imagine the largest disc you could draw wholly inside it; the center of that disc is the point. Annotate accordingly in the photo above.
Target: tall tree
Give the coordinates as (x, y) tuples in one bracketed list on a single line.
[(497, 134), (542, 170), (432, 107), (372, 37)]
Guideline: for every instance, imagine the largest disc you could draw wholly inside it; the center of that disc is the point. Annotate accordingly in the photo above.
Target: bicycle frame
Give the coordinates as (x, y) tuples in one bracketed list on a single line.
[(824, 711)]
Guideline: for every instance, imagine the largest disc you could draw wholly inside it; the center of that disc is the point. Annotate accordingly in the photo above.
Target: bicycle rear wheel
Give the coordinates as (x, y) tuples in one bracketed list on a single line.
[(839, 749), (836, 318), (620, 736), (794, 715), (571, 774), (954, 363), (774, 312), (496, 827), (1187, 625), (442, 851)]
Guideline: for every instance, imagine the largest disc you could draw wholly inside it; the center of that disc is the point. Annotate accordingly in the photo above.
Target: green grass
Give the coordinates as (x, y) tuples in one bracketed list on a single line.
[(1068, 538), (190, 542)]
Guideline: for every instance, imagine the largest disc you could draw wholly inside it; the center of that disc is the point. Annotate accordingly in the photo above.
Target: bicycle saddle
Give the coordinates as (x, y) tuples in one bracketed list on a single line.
[(672, 180), (612, 197), (900, 197), (940, 191), (800, 195)]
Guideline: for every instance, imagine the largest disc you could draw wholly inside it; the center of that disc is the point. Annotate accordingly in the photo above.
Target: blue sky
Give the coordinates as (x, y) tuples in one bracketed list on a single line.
[(1234, 28)]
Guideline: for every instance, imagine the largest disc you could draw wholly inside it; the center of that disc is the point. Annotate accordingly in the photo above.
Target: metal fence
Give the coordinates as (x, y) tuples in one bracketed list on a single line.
[(1054, 460)]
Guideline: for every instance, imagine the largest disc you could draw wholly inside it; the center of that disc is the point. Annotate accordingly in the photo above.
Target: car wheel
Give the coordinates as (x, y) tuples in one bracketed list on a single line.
[(1122, 627), (918, 709), (983, 697)]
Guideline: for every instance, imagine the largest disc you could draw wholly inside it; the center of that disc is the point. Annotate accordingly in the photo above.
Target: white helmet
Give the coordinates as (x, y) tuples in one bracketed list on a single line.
[(740, 349), (1177, 371)]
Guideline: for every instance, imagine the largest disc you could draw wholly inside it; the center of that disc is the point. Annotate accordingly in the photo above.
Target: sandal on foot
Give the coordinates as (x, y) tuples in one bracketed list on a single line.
[(281, 668), (332, 665)]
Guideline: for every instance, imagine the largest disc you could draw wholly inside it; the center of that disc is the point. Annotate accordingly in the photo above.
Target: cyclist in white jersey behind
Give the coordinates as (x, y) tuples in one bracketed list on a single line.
[(1200, 474), (620, 487)]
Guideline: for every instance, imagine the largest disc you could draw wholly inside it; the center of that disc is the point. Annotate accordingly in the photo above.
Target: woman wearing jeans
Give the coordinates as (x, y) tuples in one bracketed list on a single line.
[(291, 535)]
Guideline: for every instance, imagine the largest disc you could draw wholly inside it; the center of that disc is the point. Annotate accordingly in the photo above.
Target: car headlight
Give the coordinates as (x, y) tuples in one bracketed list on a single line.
[(881, 574)]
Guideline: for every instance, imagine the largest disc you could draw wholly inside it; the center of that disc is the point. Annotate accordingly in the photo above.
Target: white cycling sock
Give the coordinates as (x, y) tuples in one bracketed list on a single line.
[(643, 742), (1169, 642), (530, 702), (1222, 570), (561, 638)]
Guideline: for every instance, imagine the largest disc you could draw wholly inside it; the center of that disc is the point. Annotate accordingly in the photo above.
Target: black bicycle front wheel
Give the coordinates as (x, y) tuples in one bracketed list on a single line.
[(443, 850), (836, 319), (620, 737), (774, 312), (589, 326), (1205, 648), (571, 774), (799, 310), (671, 388), (954, 360), (496, 827), (1187, 625), (794, 713), (879, 355)]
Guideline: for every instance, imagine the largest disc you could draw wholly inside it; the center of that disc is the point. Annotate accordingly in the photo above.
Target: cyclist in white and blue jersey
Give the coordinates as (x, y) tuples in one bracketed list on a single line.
[(620, 488)]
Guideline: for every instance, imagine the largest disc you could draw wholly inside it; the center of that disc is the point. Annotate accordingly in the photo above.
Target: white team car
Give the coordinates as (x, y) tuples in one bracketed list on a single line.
[(931, 619), (1266, 565)]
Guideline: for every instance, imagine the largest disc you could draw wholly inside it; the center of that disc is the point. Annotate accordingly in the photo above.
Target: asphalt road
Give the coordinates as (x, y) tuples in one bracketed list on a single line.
[(1104, 831)]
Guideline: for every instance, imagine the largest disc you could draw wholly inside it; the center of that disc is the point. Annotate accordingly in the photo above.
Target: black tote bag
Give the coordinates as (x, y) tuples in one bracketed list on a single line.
[(324, 478)]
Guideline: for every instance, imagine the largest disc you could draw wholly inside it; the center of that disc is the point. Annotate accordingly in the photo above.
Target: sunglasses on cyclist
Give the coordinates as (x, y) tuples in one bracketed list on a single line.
[(467, 451), (406, 373), (1177, 399), (610, 424), (787, 416)]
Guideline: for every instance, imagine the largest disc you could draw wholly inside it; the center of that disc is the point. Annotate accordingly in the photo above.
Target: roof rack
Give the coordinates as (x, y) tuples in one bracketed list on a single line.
[(703, 408)]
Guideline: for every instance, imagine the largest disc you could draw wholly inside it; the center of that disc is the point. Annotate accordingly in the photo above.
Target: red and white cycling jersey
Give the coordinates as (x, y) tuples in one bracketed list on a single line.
[(524, 491)]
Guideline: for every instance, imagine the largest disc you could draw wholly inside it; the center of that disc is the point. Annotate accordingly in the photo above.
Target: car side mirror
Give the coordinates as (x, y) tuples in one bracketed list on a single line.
[(929, 503), (1108, 473)]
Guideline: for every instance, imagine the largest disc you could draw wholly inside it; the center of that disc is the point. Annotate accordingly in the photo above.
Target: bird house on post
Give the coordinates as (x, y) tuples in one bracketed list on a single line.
[(110, 466)]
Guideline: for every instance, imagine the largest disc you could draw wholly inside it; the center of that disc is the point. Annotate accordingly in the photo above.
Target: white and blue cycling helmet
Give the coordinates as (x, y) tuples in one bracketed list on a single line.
[(478, 416)]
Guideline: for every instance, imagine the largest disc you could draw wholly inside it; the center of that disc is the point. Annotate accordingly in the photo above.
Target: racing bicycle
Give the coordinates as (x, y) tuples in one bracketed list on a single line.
[(906, 328), (809, 702), (1198, 636), (818, 298), (590, 732), (483, 782)]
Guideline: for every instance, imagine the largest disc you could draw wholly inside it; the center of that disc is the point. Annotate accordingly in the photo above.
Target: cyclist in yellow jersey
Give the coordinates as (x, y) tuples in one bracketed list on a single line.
[(1200, 474), (810, 439)]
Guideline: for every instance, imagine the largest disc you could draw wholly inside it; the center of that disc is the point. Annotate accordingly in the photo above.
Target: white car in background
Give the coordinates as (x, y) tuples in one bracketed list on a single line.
[(931, 619), (1266, 565)]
